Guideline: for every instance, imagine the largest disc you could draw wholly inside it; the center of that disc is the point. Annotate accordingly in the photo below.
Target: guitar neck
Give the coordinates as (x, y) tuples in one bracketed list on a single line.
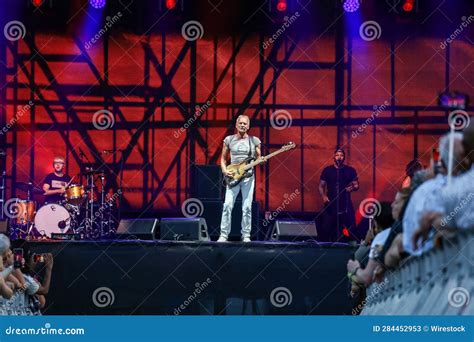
[(268, 156)]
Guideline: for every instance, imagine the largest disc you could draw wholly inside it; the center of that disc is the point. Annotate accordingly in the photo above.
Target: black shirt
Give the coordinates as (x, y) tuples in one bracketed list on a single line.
[(337, 180), (55, 182)]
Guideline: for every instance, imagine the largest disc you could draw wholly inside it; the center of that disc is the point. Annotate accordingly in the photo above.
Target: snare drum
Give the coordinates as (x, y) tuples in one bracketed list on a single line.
[(24, 212), (75, 194), (52, 218)]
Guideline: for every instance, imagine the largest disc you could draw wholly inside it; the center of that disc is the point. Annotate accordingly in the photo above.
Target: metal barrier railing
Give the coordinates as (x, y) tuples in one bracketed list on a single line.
[(440, 282)]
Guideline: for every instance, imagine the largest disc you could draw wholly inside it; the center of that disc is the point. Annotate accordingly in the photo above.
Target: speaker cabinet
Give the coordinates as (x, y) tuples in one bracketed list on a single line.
[(207, 182), (294, 230), (143, 229), (184, 229)]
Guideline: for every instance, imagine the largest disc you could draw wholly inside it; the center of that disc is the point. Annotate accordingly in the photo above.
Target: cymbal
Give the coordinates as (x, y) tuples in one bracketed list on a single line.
[(89, 170), (28, 186)]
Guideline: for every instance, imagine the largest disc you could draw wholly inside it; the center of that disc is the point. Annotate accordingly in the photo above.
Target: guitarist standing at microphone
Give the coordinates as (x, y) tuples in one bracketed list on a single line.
[(241, 146)]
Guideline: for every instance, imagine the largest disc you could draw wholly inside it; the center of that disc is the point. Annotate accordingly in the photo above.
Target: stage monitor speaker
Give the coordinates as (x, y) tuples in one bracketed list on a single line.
[(142, 228), (207, 182), (184, 229), (294, 230)]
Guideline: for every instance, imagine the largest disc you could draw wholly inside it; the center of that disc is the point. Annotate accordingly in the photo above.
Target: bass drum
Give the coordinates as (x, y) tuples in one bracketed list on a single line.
[(52, 218)]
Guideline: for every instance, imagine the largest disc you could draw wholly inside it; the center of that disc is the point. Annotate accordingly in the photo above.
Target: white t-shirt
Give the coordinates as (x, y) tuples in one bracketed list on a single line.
[(378, 243), (32, 285), (458, 201), (425, 198), (239, 148)]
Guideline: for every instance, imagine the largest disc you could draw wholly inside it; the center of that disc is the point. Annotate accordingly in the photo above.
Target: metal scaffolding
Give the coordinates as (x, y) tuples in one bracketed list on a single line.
[(154, 101)]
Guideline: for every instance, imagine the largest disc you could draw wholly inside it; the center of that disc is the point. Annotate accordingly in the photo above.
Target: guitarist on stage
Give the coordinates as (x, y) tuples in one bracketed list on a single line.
[(240, 146)]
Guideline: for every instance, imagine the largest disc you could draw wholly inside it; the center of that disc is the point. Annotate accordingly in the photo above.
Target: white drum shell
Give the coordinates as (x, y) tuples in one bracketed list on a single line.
[(49, 217)]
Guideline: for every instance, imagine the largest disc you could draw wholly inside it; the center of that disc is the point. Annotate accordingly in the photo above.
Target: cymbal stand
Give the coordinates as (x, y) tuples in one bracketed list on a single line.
[(121, 184), (28, 193), (29, 197), (102, 204), (89, 222)]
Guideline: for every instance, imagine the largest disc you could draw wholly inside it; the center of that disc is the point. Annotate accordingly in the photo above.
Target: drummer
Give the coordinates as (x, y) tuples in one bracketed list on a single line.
[(55, 183)]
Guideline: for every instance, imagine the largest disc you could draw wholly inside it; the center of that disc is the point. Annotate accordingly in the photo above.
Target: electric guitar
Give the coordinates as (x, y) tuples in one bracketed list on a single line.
[(241, 170)]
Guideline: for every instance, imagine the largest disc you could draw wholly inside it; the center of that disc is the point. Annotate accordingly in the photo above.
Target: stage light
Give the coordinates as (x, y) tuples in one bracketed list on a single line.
[(453, 100), (37, 3), (170, 4), (408, 5), (351, 5), (281, 5), (97, 3)]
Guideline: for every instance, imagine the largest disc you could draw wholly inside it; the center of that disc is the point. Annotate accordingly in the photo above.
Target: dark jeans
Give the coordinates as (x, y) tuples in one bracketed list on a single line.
[(334, 224)]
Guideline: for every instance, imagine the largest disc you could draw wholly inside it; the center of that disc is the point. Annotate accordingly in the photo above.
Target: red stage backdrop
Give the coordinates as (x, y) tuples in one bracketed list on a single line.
[(150, 92)]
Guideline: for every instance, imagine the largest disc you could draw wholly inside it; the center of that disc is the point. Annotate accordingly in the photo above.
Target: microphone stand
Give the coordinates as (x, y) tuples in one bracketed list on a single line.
[(89, 195), (81, 156), (2, 196)]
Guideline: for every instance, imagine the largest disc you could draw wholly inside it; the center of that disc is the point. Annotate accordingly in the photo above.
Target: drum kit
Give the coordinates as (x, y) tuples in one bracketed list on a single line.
[(80, 215)]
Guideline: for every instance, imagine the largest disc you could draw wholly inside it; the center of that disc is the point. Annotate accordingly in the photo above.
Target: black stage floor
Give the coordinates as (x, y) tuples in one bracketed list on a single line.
[(170, 278)]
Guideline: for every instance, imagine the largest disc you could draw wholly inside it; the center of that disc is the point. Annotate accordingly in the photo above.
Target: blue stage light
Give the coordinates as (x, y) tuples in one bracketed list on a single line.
[(351, 5), (97, 3)]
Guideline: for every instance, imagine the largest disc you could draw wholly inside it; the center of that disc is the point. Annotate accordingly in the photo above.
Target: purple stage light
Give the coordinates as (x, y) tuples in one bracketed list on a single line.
[(97, 3), (351, 5)]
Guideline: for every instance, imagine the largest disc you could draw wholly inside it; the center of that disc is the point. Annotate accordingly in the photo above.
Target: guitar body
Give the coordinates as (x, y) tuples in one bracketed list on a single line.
[(239, 172)]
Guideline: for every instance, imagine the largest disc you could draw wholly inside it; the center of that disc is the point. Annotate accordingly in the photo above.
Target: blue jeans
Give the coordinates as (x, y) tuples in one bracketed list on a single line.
[(246, 186)]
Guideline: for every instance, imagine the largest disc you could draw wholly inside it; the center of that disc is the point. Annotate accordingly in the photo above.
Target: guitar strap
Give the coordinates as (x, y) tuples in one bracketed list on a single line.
[(251, 155), (250, 146)]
